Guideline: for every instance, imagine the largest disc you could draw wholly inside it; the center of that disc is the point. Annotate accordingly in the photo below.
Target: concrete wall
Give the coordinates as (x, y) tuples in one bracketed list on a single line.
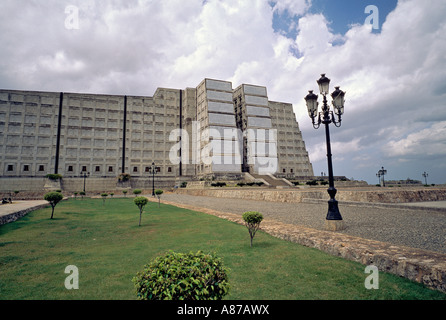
[(376, 196)]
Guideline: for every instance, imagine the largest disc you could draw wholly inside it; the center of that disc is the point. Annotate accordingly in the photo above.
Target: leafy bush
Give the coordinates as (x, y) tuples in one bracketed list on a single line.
[(182, 276), (124, 177), (252, 221), (53, 198), (218, 184), (140, 203), (137, 191), (104, 195), (312, 183), (183, 184), (158, 193), (53, 176)]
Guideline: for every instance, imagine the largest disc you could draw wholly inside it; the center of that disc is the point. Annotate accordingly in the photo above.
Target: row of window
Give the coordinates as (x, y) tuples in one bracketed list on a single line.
[(41, 168), (110, 169), (26, 168)]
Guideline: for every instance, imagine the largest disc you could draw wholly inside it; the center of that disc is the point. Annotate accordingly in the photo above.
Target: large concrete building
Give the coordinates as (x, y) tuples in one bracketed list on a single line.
[(211, 130)]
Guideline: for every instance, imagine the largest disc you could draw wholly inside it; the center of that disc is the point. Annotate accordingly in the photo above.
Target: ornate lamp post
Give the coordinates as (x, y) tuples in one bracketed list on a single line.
[(425, 175), (381, 173), (326, 116), (85, 175), (152, 170)]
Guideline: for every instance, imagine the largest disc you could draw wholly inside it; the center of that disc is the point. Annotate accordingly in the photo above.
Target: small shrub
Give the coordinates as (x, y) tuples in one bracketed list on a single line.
[(182, 276), (104, 196), (252, 221), (241, 184), (82, 193), (54, 176), (218, 184), (183, 184), (124, 177), (140, 203), (124, 192), (136, 192), (158, 193), (53, 198), (312, 183)]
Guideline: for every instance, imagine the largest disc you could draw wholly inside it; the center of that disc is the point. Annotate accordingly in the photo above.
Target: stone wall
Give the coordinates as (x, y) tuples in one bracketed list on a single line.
[(297, 195)]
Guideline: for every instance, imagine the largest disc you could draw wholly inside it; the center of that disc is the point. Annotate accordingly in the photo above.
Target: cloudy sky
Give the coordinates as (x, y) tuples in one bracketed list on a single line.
[(389, 58)]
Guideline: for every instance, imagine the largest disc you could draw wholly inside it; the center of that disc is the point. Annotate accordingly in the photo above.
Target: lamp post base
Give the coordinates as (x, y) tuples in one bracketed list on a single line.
[(334, 225)]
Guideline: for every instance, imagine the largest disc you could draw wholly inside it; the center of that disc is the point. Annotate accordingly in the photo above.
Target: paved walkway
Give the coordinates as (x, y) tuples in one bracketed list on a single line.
[(16, 206)]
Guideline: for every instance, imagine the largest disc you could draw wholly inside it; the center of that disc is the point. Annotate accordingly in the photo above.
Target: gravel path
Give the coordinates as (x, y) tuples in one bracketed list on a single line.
[(422, 229)]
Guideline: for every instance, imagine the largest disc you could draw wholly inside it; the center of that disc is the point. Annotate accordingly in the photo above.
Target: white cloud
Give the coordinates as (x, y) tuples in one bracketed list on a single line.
[(428, 142)]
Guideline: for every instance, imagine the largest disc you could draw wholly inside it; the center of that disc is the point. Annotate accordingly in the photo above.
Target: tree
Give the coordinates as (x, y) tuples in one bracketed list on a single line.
[(158, 193), (104, 195), (136, 192), (82, 193), (75, 195), (53, 198), (140, 203), (252, 220), (124, 192)]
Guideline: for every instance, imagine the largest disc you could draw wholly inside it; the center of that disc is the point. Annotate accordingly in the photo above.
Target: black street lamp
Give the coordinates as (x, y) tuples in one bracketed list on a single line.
[(326, 116), (152, 169), (425, 175), (381, 173), (85, 175)]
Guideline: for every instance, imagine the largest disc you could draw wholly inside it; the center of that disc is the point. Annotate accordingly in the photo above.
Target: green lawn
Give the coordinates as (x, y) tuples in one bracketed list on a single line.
[(108, 247)]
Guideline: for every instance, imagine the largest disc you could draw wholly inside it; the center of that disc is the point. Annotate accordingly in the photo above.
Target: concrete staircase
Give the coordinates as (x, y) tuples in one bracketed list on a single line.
[(272, 181)]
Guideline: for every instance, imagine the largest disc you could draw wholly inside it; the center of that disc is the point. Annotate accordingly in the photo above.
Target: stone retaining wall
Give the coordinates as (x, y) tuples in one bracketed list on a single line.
[(7, 218), (297, 195)]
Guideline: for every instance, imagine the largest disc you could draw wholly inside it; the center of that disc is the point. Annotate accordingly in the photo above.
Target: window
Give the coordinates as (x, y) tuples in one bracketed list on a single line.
[(10, 167), (291, 170), (147, 169), (110, 169), (97, 169), (26, 168), (135, 169), (283, 170), (84, 168), (70, 168), (169, 169), (158, 169), (41, 167)]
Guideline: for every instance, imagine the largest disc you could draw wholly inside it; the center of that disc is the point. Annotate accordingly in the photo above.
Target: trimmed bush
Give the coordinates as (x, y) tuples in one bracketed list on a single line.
[(53, 198), (140, 203), (182, 276), (54, 176), (137, 191), (104, 196), (158, 193), (252, 221)]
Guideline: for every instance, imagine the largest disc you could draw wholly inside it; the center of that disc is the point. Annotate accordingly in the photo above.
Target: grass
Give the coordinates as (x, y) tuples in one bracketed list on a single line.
[(108, 247)]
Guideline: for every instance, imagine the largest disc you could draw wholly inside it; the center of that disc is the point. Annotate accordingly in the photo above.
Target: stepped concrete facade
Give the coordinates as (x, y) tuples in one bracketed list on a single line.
[(209, 131)]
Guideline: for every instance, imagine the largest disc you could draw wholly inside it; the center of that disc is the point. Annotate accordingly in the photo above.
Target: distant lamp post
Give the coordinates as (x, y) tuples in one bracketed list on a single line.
[(152, 169), (425, 175), (382, 173), (326, 116), (85, 175)]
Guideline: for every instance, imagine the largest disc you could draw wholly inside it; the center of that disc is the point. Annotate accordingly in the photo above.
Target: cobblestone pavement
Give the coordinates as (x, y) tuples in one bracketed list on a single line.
[(423, 229)]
